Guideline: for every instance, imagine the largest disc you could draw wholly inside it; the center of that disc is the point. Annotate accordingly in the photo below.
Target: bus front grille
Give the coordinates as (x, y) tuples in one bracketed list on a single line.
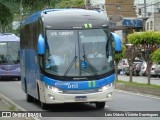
[(80, 91)]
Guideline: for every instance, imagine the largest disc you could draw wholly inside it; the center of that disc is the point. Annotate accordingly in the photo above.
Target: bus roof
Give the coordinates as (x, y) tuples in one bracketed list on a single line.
[(6, 37), (61, 18)]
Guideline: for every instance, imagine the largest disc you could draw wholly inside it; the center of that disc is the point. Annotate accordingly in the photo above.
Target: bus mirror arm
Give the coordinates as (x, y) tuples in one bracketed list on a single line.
[(117, 42)]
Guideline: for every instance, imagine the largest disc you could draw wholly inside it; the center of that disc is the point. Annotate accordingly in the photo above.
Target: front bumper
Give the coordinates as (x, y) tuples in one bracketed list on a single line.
[(51, 98)]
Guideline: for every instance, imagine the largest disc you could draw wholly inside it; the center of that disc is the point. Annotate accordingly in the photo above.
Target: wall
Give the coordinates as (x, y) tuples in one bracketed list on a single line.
[(124, 8)]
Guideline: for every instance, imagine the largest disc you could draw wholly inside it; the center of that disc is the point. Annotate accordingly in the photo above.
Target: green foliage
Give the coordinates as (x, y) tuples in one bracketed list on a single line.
[(156, 56), (147, 42), (144, 38), (119, 56), (6, 16), (70, 4), (11, 4), (137, 84)]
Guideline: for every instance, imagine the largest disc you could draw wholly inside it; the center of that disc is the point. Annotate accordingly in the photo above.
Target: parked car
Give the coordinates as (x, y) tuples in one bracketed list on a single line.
[(127, 71), (122, 65), (137, 69), (143, 70), (153, 72), (157, 69)]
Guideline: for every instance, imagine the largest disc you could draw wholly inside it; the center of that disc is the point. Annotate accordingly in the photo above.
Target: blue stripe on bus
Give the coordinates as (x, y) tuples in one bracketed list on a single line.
[(79, 85)]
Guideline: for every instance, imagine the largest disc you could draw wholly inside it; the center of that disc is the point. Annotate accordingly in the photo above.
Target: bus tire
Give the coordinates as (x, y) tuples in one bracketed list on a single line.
[(19, 78), (43, 105), (100, 105), (29, 98)]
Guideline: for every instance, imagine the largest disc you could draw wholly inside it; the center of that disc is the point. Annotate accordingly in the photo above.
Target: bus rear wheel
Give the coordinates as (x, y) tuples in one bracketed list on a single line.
[(100, 105), (29, 98)]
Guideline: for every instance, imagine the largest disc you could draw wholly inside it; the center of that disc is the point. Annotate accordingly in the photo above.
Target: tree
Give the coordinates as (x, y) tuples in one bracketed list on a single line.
[(117, 58), (6, 17), (148, 43), (70, 4), (132, 52), (156, 56), (10, 11)]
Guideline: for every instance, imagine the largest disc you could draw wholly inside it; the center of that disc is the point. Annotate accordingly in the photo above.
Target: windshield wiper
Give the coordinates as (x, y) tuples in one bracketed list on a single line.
[(91, 67), (73, 61), (70, 66)]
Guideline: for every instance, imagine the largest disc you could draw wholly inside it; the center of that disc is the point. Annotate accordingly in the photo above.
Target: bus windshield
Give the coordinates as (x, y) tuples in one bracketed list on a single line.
[(9, 52), (78, 52)]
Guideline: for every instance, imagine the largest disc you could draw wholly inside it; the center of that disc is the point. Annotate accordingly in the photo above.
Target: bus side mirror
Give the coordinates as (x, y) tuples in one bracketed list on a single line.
[(41, 44), (117, 42)]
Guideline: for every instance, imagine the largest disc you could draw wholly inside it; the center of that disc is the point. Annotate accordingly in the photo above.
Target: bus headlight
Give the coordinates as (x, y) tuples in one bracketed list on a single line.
[(53, 89), (106, 87)]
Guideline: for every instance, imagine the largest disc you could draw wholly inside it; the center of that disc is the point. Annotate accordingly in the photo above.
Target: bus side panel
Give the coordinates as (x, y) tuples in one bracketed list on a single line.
[(31, 72), (22, 62)]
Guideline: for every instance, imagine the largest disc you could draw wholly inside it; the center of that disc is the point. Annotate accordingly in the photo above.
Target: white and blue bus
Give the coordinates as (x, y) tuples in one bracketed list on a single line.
[(67, 56), (9, 56)]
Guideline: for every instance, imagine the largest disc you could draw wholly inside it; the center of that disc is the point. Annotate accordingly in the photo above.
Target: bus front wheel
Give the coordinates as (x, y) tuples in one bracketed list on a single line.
[(43, 105), (100, 105)]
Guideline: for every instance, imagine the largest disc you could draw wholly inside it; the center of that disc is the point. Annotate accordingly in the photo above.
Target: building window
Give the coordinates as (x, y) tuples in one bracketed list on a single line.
[(118, 7), (103, 7), (147, 25), (151, 25), (139, 11)]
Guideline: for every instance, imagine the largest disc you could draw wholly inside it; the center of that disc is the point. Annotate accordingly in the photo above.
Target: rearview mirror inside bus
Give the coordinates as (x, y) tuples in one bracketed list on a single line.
[(41, 45)]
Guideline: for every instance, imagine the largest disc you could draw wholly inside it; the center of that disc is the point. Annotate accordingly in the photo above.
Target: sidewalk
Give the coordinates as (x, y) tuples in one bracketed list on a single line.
[(7, 106), (140, 79), (139, 89)]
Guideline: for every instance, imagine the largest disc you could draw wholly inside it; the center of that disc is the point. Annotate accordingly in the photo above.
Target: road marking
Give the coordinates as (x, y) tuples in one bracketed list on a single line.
[(139, 94), (18, 107)]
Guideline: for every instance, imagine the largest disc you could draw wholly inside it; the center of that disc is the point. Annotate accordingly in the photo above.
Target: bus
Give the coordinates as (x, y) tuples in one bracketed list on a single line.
[(66, 56), (9, 56)]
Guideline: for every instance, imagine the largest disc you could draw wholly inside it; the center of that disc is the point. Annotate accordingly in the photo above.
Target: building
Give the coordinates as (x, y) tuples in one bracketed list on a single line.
[(151, 6), (123, 18), (150, 12), (124, 8)]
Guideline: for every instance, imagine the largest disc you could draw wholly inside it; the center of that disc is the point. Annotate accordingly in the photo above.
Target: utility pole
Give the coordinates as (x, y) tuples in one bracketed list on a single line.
[(145, 16), (145, 10)]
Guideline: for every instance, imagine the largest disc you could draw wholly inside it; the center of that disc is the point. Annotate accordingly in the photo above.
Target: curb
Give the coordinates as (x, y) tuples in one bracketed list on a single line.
[(138, 89), (9, 102)]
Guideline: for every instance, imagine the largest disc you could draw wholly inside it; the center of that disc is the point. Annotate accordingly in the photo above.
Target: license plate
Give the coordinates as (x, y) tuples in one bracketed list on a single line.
[(81, 98)]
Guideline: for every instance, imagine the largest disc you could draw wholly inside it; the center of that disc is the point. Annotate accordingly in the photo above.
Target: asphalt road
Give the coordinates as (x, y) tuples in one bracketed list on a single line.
[(123, 101)]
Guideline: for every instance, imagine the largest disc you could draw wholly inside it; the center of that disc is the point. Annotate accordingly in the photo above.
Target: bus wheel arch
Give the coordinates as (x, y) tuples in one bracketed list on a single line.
[(43, 105), (38, 92)]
